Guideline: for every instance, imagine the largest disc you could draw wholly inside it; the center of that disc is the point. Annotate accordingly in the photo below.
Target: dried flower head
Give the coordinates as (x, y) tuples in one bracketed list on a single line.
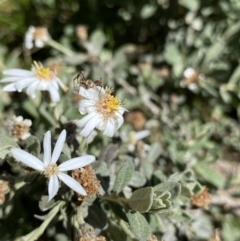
[(137, 119), (19, 128), (82, 32), (4, 189), (201, 199), (87, 178), (191, 75), (36, 36), (191, 78), (88, 233), (152, 238), (98, 238), (164, 72), (216, 236)]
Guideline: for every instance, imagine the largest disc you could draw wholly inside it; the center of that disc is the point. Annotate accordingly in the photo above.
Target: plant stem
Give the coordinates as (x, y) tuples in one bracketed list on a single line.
[(60, 47), (116, 199), (126, 230)]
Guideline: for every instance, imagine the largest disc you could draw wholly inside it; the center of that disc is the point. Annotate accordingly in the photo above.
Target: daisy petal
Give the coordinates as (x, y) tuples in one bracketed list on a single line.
[(10, 87), (77, 162), (47, 148), (31, 89), (85, 106), (85, 119), (42, 85), (58, 147), (11, 79), (109, 129), (92, 123), (18, 72), (27, 159), (54, 94), (120, 120), (72, 183), (23, 83), (53, 187), (142, 134), (92, 93)]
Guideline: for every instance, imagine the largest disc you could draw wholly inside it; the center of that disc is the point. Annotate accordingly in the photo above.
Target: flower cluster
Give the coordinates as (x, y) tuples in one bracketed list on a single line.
[(104, 112)]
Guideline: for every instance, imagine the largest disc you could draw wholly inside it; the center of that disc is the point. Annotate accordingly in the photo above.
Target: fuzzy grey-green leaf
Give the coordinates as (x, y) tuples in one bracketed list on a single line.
[(124, 175), (33, 145), (6, 143), (141, 199), (173, 187), (139, 225), (210, 174)]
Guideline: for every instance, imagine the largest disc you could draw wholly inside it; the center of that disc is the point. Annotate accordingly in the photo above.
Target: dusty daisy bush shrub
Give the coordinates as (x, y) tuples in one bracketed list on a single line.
[(119, 121)]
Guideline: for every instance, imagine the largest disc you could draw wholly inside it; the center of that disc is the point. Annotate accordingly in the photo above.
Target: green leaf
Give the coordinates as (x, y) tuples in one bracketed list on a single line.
[(141, 199), (192, 5), (224, 94), (155, 151), (209, 174), (231, 31), (161, 202), (173, 187), (124, 175), (231, 227), (139, 225), (44, 204), (147, 169), (33, 145), (36, 233), (148, 11), (109, 153), (30, 177), (137, 180), (67, 151), (99, 167), (172, 54), (118, 210), (235, 77), (213, 53), (30, 108), (97, 40), (6, 143), (190, 188)]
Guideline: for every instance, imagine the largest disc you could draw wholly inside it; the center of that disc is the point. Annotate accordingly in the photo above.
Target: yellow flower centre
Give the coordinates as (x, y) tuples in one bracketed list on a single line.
[(108, 105), (44, 74), (50, 170)]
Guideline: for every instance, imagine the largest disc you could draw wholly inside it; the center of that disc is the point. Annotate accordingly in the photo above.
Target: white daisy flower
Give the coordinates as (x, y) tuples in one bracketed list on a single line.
[(19, 128), (49, 167), (36, 36), (104, 111), (135, 137), (39, 78)]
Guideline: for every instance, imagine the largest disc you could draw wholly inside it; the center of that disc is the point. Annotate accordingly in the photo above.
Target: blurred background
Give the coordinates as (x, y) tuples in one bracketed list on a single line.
[(176, 62)]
